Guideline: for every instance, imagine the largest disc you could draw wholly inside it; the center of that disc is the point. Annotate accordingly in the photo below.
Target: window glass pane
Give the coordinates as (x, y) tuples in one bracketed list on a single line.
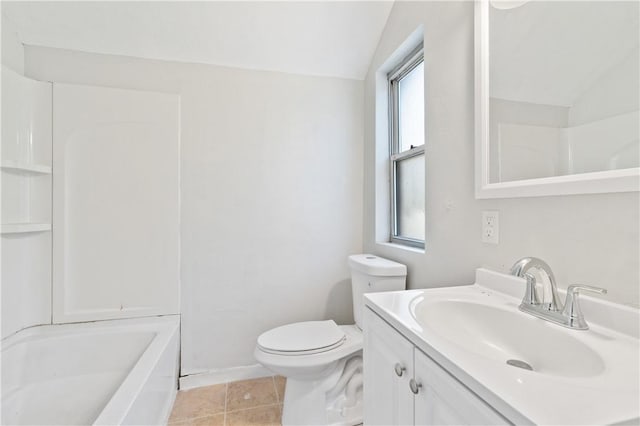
[(411, 109), (410, 197)]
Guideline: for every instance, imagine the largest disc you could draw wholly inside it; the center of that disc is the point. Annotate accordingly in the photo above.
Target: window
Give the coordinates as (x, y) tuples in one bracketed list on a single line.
[(407, 162)]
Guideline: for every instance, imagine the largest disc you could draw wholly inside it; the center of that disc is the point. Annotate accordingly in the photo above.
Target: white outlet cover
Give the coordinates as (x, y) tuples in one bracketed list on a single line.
[(491, 226)]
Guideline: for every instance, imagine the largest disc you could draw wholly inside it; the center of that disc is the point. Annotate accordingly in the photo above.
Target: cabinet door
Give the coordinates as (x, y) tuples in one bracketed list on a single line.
[(443, 400), (387, 397)]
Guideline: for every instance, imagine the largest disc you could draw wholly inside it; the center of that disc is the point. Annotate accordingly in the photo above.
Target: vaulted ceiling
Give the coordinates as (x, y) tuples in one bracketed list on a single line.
[(327, 38)]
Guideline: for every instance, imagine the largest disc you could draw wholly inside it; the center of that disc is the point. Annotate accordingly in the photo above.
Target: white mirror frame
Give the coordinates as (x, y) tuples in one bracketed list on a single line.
[(624, 180)]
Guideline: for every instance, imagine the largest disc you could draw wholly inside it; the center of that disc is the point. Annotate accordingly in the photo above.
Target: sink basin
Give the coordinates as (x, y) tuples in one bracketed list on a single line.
[(503, 335)]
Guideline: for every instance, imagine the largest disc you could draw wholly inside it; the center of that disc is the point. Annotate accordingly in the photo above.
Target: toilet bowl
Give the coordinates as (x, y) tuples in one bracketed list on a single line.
[(321, 360), (312, 373)]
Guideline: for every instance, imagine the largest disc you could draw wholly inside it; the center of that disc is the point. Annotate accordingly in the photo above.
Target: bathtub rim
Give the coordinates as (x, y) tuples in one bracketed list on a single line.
[(117, 407)]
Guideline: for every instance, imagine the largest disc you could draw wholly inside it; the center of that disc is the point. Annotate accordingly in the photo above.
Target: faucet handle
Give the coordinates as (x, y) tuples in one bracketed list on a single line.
[(575, 288), (572, 311)]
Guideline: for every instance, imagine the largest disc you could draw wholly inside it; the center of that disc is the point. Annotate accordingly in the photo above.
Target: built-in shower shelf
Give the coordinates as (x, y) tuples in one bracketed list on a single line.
[(13, 166), (21, 228)]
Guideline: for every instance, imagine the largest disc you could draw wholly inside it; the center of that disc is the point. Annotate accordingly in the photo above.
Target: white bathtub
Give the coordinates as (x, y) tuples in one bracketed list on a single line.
[(106, 372)]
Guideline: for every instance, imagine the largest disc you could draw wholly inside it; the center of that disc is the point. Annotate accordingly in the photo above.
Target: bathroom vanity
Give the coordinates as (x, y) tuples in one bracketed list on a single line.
[(407, 387), (467, 355)]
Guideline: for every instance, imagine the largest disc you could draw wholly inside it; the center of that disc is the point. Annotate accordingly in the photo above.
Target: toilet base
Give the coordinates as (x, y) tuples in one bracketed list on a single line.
[(345, 416), (335, 400)]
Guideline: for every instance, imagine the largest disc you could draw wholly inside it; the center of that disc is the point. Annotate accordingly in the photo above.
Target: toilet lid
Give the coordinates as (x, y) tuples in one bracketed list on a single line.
[(306, 337)]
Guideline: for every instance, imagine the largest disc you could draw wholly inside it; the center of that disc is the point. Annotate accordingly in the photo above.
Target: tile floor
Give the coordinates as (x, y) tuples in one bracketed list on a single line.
[(247, 402)]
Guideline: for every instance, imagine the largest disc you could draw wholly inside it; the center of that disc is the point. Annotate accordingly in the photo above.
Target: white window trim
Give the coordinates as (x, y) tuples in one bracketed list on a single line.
[(415, 58)]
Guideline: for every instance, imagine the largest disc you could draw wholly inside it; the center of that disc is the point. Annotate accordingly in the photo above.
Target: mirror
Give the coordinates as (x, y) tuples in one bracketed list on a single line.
[(557, 97)]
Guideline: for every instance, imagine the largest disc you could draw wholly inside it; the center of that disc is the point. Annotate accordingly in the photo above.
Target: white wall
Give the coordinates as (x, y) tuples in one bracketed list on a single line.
[(271, 192), (12, 49), (116, 203), (591, 239)]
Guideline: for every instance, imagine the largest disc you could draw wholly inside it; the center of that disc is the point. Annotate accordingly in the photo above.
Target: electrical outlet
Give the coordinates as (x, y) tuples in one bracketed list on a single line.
[(491, 226)]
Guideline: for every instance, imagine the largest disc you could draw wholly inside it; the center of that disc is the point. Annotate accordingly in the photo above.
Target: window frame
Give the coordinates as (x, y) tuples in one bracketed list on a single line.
[(408, 64)]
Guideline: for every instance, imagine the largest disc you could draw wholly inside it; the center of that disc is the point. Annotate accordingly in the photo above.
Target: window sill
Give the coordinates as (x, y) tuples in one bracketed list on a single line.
[(401, 247)]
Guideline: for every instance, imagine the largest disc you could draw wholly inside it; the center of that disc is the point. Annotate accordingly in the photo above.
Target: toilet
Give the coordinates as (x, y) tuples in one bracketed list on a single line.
[(321, 360)]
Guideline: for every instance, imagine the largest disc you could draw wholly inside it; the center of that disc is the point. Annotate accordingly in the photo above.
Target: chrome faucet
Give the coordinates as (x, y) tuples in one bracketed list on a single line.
[(521, 268), (568, 314)]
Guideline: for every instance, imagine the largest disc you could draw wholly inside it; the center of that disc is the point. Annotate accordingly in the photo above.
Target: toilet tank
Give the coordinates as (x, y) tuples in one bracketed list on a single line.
[(372, 274)]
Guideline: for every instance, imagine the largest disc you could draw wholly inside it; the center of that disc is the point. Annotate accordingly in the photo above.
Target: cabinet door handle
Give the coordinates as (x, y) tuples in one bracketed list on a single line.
[(414, 386), (399, 369)]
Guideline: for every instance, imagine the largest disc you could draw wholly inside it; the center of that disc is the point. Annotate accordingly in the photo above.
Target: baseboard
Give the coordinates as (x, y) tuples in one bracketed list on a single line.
[(224, 375)]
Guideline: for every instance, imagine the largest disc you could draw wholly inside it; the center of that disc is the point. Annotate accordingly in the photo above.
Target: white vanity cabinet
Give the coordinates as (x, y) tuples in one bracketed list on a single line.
[(388, 368), (392, 363)]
